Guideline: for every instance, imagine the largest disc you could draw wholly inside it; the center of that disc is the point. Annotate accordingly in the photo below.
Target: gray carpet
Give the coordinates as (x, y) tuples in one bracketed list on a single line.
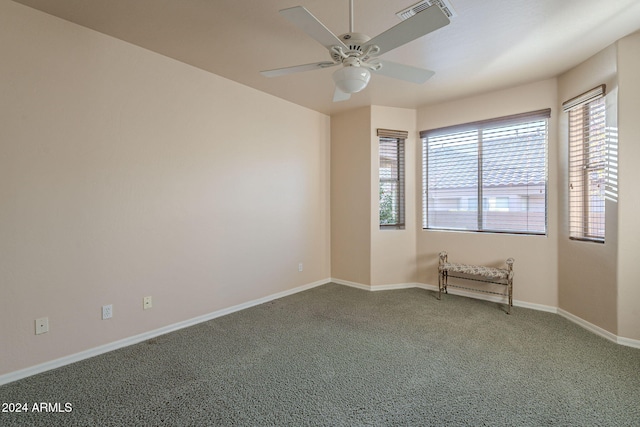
[(338, 356)]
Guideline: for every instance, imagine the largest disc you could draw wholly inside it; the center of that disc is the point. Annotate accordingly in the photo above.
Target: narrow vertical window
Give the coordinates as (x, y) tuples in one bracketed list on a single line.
[(392, 178), (588, 157)]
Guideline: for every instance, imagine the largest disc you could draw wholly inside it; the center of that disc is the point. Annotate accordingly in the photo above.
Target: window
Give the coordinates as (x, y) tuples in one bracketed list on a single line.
[(391, 172), (588, 163), (487, 176)]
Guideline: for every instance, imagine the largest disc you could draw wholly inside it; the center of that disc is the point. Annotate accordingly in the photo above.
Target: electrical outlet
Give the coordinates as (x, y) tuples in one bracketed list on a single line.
[(42, 325), (107, 312), (300, 267), (146, 303)]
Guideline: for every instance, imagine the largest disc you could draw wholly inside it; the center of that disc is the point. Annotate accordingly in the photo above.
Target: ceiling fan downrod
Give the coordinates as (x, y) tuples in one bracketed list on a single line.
[(351, 16)]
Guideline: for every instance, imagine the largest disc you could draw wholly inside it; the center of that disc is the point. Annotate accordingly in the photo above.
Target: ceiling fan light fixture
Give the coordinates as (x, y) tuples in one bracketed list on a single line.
[(351, 79)]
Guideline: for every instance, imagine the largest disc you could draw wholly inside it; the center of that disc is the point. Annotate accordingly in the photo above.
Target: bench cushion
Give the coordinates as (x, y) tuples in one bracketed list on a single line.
[(476, 270)]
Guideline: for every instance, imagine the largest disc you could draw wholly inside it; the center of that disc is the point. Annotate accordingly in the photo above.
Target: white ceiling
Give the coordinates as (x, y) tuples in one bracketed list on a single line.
[(490, 44)]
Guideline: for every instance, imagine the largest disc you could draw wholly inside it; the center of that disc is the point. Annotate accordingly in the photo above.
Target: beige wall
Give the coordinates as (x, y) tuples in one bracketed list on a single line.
[(360, 252), (124, 174), (350, 196), (629, 208), (535, 265), (393, 252), (587, 271)]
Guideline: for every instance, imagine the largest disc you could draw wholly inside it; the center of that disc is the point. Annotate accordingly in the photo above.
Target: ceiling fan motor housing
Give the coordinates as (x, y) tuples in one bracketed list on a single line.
[(354, 42)]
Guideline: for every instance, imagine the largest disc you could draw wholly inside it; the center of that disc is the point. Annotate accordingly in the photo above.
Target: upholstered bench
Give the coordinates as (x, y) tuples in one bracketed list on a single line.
[(499, 276)]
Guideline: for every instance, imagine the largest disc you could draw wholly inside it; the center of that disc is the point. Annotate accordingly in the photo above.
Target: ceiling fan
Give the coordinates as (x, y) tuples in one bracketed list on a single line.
[(357, 53)]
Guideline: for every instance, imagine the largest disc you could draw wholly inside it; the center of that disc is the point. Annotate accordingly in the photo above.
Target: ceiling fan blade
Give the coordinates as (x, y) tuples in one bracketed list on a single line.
[(298, 68), (339, 95), (403, 72), (415, 27), (303, 19)]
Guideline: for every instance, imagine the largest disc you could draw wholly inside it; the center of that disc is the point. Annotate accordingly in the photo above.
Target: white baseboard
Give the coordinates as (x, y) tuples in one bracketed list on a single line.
[(66, 360), (598, 330), (535, 306), (389, 287), (393, 287), (351, 284), (451, 290), (629, 342), (498, 299), (427, 287)]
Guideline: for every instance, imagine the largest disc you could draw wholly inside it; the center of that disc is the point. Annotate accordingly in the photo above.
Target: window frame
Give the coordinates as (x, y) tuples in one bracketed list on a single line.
[(586, 134), (399, 178), (482, 199)]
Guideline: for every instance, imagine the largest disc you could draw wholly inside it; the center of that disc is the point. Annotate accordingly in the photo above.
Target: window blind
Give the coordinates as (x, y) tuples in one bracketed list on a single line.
[(392, 182), (588, 159), (487, 176)]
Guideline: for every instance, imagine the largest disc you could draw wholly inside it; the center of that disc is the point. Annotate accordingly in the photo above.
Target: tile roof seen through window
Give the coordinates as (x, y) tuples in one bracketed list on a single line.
[(516, 159)]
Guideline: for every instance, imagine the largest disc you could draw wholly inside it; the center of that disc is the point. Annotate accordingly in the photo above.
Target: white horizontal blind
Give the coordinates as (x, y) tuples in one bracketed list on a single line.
[(391, 171), (487, 176), (587, 170), (450, 167)]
